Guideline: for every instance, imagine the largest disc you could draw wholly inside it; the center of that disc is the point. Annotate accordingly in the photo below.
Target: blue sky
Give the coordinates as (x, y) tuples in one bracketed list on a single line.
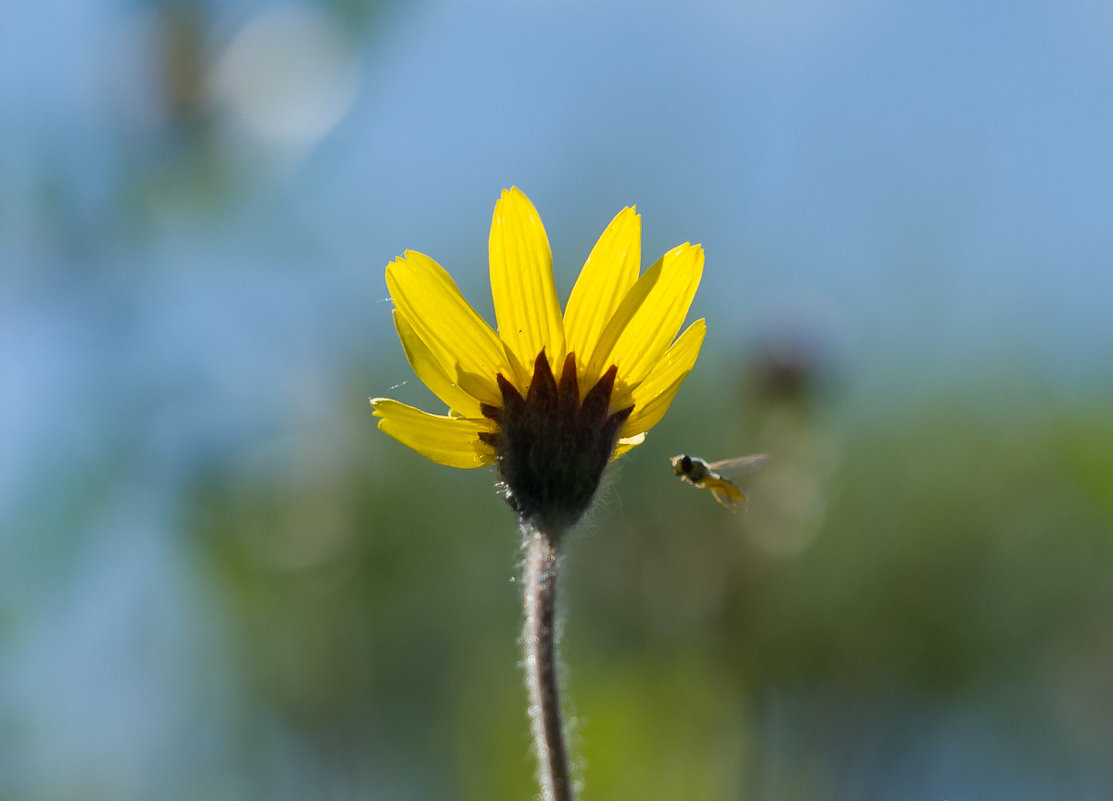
[(924, 187)]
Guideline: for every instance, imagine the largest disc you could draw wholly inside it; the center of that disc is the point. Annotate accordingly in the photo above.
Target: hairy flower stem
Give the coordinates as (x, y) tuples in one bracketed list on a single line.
[(542, 563)]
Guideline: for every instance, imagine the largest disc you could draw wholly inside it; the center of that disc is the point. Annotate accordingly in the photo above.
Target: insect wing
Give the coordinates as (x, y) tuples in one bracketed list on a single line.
[(740, 466)]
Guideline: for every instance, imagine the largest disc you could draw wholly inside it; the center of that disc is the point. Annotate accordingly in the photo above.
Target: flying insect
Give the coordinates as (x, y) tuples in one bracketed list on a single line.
[(710, 475)]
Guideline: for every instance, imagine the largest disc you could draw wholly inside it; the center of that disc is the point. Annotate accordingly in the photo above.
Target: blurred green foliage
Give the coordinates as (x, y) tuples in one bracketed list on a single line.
[(954, 556)]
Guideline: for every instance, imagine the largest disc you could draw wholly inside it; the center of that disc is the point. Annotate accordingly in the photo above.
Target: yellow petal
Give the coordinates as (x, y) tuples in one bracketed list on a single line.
[(609, 272), (457, 337), (649, 317), (452, 441), (431, 372), (652, 397), (626, 444), (526, 305)]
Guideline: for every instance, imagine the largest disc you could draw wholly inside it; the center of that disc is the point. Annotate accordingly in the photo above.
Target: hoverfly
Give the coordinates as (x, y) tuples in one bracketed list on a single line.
[(709, 475)]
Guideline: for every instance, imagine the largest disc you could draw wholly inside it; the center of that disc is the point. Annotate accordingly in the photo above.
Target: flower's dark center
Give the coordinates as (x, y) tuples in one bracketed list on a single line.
[(551, 447)]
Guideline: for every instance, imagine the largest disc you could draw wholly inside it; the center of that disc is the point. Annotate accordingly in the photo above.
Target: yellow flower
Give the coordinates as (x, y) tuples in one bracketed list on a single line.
[(551, 398)]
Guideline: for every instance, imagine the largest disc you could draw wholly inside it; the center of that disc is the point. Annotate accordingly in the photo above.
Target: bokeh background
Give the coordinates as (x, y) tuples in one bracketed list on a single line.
[(218, 580)]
